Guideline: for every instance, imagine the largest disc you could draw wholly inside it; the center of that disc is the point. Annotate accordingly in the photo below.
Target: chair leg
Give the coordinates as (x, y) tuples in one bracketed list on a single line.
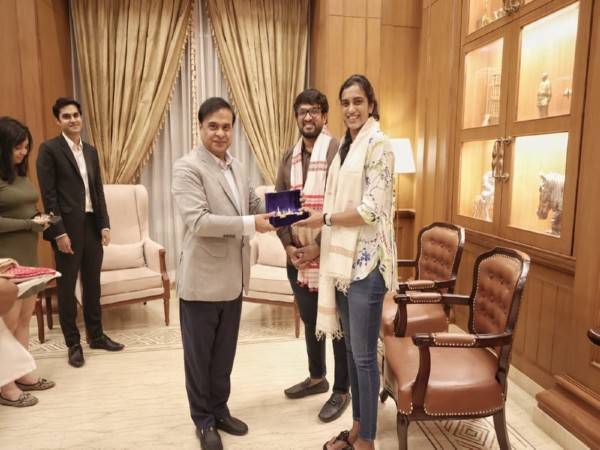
[(166, 306), (49, 311), (296, 319), (501, 432), (39, 315), (402, 429)]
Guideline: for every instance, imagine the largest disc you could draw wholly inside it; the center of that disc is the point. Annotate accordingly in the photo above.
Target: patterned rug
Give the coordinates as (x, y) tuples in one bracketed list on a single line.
[(159, 338), (468, 434)]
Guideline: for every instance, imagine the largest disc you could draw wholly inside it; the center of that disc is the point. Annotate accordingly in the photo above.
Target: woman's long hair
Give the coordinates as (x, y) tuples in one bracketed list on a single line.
[(362, 82), (12, 133)]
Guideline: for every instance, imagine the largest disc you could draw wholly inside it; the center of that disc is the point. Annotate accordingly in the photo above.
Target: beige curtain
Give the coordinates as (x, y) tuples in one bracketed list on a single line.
[(262, 47), (129, 53)]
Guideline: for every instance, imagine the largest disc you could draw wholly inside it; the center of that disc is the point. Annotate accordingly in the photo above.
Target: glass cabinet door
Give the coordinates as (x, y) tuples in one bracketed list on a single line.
[(482, 85), (547, 57)]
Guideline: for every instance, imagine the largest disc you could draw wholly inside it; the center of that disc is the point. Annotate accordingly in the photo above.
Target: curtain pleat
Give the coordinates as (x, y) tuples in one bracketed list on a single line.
[(262, 47), (129, 53)]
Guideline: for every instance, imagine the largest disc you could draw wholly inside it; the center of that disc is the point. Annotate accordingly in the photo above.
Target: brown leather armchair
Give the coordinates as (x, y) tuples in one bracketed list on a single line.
[(439, 249), (461, 376)]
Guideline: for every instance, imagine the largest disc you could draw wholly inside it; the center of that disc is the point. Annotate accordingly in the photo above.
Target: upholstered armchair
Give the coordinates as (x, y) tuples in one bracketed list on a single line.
[(439, 249), (268, 274), (133, 268), (458, 376)]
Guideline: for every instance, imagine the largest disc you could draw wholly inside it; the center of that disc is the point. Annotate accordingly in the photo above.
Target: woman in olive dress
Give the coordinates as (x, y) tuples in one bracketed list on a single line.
[(20, 224)]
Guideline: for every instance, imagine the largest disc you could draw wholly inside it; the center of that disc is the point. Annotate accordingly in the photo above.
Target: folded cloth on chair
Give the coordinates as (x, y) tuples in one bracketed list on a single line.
[(6, 263), (18, 274)]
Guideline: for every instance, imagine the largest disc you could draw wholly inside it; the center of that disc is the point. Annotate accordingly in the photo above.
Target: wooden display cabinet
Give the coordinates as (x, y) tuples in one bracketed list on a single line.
[(519, 120)]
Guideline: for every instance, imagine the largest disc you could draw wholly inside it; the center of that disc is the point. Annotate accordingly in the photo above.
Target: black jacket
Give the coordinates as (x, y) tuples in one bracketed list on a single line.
[(62, 188)]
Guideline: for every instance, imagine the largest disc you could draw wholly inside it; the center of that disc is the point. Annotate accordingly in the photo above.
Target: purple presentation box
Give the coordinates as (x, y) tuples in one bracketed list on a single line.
[(286, 203)]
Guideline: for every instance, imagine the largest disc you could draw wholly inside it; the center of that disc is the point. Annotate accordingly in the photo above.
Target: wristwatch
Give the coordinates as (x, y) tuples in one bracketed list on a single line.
[(327, 219)]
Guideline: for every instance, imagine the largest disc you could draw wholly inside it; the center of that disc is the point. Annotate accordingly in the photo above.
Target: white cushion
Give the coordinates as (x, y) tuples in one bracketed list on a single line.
[(129, 280), (124, 256), (254, 295), (270, 250), (269, 279)]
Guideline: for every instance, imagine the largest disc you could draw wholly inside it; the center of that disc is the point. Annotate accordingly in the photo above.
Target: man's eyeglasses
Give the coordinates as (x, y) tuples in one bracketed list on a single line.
[(314, 112)]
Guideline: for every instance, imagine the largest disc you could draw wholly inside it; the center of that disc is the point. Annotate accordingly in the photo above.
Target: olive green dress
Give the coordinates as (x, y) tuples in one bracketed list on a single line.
[(18, 233)]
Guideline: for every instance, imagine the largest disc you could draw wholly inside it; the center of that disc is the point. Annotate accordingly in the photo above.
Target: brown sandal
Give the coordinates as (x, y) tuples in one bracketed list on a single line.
[(343, 437), (24, 400), (40, 385)]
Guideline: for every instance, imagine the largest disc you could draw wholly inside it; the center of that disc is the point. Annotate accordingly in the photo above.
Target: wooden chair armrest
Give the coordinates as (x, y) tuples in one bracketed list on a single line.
[(462, 340), (430, 285), (431, 297), (594, 336), (416, 297)]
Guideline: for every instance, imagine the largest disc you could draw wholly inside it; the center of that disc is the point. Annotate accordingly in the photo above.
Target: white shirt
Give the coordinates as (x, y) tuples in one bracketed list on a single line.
[(249, 226), (77, 150)]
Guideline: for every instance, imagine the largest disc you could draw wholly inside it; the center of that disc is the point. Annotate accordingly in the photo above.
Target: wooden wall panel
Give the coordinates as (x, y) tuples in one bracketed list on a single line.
[(388, 55), (354, 8), (11, 81), (438, 74), (401, 13), (34, 43)]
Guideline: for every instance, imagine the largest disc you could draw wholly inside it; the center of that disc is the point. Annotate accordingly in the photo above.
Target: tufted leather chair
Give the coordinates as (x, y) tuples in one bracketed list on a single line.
[(459, 376), (439, 249)]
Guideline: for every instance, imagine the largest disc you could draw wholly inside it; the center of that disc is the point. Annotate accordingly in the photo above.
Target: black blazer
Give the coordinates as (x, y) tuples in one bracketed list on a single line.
[(62, 188)]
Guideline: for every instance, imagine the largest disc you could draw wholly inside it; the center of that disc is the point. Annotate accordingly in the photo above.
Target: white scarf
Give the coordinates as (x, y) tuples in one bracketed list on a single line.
[(344, 191), (313, 190)]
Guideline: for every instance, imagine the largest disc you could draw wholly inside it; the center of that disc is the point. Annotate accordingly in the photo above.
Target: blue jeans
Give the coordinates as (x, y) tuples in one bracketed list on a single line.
[(360, 312)]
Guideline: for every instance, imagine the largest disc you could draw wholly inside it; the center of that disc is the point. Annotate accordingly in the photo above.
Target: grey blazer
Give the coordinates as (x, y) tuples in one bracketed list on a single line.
[(215, 261)]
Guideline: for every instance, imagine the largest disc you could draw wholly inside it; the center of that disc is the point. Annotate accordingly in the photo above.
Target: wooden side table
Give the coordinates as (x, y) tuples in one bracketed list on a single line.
[(404, 222)]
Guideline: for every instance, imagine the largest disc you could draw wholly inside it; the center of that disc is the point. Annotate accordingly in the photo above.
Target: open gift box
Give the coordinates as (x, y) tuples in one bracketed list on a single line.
[(286, 206)]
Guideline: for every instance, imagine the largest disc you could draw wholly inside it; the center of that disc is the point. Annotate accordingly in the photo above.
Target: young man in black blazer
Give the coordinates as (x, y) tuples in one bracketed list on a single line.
[(69, 175)]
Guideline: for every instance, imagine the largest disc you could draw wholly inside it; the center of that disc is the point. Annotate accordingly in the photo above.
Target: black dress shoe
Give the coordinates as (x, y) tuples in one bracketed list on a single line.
[(334, 407), (232, 425), (209, 438), (106, 343), (76, 355), (304, 388)]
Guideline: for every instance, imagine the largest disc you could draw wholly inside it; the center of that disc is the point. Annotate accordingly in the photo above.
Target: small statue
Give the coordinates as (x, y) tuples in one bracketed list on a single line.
[(484, 201), (485, 18), (552, 186), (544, 94)]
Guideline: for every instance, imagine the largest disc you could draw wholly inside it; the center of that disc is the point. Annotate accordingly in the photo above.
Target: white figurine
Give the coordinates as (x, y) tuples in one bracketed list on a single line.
[(484, 201), (544, 94)]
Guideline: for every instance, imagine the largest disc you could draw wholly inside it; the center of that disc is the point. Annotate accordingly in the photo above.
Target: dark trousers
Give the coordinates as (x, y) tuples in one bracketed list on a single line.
[(86, 243), (315, 349), (360, 312), (209, 332)]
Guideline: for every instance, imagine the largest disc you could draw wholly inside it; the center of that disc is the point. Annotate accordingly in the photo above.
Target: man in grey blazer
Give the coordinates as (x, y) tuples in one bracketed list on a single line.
[(220, 212)]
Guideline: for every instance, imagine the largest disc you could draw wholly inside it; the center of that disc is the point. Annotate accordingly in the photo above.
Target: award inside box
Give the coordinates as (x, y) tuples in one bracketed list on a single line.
[(286, 206)]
